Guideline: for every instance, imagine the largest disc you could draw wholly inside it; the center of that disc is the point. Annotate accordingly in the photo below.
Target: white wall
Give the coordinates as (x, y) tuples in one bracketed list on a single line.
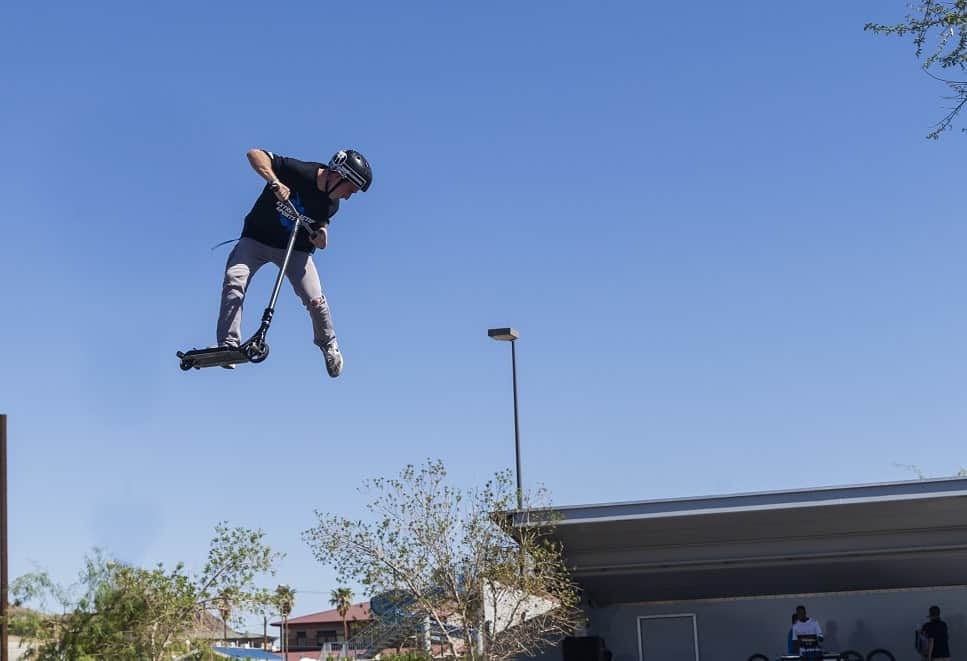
[(732, 630), (14, 651), (505, 606)]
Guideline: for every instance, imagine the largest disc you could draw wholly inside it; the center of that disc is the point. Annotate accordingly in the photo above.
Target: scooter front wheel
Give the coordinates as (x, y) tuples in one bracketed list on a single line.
[(257, 352)]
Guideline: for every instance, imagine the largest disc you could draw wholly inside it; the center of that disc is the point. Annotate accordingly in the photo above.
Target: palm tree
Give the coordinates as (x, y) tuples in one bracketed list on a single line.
[(285, 598), (225, 610), (342, 599)]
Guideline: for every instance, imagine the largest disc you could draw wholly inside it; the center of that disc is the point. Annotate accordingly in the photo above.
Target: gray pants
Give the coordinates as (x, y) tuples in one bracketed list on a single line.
[(246, 258)]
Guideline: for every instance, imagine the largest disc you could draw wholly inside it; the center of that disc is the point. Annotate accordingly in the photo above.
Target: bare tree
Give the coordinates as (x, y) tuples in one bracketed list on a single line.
[(486, 584)]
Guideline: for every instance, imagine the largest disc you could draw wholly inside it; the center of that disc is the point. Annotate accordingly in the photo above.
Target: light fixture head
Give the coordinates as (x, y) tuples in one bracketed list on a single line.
[(503, 334)]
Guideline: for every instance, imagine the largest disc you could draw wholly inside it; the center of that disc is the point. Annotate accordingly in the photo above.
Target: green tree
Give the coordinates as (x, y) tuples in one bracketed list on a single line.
[(342, 599), (939, 34), (488, 581), (127, 612)]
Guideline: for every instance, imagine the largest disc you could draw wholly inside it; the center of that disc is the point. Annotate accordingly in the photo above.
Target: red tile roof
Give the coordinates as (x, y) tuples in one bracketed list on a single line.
[(357, 612)]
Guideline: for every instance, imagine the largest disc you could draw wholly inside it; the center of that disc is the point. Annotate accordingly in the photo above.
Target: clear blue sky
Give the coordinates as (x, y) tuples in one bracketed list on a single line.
[(735, 262)]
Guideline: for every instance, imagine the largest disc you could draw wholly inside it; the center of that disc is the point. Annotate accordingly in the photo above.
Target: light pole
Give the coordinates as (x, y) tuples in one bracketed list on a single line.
[(511, 335)]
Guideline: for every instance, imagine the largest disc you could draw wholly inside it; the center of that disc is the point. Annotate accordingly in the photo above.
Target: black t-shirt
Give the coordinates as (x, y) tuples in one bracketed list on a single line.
[(937, 630), (266, 224)]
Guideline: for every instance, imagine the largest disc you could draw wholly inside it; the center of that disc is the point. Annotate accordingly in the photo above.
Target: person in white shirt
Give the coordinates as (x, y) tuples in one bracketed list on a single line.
[(804, 626)]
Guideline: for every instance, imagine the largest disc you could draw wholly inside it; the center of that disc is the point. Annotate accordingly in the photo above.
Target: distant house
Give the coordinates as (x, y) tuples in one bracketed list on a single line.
[(212, 628), (253, 640), (318, 636), (309, 633)]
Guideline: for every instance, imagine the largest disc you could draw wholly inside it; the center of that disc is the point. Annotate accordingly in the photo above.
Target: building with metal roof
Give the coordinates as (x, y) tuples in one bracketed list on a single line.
[(718, 577)]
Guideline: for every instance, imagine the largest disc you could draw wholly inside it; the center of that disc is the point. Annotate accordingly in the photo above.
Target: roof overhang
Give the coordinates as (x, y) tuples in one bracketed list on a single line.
[(881, 536)]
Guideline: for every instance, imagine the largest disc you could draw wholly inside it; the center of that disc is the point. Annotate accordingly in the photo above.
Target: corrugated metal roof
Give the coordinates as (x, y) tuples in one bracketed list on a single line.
[(763, 500)]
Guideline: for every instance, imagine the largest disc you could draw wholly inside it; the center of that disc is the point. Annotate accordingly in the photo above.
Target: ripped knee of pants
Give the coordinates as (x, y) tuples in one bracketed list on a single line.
[(232, 291), (318, 304)]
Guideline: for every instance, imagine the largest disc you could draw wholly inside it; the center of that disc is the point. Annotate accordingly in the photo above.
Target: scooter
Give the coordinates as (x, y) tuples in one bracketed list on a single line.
[(255, 349)]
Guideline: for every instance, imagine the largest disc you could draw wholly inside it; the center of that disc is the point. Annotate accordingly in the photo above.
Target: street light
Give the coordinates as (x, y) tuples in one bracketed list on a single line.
[(511, 335)]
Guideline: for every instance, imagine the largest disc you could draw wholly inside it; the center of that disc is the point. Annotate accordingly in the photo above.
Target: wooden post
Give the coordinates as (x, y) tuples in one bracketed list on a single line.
[(4, 560)]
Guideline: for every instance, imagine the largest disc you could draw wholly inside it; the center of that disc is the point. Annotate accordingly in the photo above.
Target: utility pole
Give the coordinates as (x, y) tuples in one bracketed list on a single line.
[(4, 559)]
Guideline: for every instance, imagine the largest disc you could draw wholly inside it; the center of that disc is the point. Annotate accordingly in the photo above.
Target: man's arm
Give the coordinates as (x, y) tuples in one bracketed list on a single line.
[(261, 162)]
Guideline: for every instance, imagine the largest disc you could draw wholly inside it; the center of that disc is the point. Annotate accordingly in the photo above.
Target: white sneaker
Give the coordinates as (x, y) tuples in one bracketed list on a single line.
[(333, 359)]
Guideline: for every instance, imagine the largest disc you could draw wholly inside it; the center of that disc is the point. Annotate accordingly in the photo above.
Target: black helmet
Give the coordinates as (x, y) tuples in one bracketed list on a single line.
[(353, 166)]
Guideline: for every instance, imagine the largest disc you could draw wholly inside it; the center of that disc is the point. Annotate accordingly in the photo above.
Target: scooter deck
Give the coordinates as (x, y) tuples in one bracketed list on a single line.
[(214, 357)]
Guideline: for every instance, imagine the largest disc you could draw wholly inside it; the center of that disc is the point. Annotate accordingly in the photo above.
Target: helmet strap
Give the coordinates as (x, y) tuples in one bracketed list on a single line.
[(331, 188)]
